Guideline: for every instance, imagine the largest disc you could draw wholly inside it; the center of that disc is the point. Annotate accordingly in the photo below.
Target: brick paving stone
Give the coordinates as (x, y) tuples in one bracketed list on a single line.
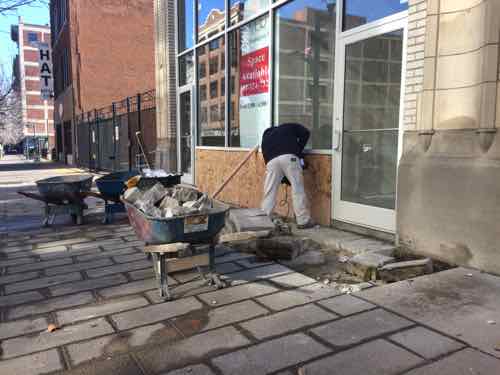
[(252, 262), (102, 254), (29, 344), (465, 362), (124, 267), (34, 364), (232, 256), (19, 255), (373, 358), (91, 284), (287, 321), (118, 245), (78, 267), (356, 328), (123, 342), (293, 280), (70, 241), (18, 277), (119, 365), (100, 243), (191, 370), (260, 273), (346, 305), (71, 253), (43, 282), (155, 313), (15, 249), (204, 320), (17, 299), (425, 342), (100, 309), (237, 293), (22, 327), (270, 356), (39, 265), (50, 304), (131, 288), (50, 251), (129, 257), (299, 296), (17, 261), (146, 273), (191, 350)]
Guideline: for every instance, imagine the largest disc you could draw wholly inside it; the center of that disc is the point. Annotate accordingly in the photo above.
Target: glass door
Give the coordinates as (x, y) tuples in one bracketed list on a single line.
[(185, 136), (367, 127)]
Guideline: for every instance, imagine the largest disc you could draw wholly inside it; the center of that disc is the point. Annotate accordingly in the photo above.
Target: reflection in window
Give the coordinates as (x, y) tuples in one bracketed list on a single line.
[(202, 70), (250, 107), (357, 13), (185, 9), (244, 9), (371, 120), (211, 131), (203, 92), (186, 69), (211, 18), (305, 62)]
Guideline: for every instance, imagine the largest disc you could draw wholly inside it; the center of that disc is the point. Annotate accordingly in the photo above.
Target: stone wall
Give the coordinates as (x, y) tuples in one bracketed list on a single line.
[(449, 176)]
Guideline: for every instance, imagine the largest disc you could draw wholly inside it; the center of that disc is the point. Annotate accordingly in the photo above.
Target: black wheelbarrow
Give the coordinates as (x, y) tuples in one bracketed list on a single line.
[(62, 195), (180, 243)]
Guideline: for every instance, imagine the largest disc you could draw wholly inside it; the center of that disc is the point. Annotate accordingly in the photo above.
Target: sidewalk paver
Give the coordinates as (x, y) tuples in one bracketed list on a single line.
[(45, 340), (33, 364), (22, 327), (91, 284), (270, 356), (356, 328), (192, 370), (346, 305), (42, 282), (373, 358), (78, 267), (17, 299), (465, 362), (287, 321), (237, 293), (426, 343), (191, 350)]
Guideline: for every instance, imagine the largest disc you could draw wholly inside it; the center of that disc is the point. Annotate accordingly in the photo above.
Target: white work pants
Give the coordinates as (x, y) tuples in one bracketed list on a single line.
[(276, 169)]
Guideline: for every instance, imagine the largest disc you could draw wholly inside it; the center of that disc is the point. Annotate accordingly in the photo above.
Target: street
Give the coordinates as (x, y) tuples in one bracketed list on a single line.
[(95, 285)]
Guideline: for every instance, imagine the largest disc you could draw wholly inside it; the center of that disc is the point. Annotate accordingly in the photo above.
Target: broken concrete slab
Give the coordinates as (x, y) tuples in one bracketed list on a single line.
[(243, 236), (251, 219), (353, 247), (365, 265), (405, 270), (309, 258)]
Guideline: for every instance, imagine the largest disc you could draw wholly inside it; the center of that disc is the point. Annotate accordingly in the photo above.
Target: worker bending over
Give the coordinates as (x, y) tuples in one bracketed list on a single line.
[(282, 147)]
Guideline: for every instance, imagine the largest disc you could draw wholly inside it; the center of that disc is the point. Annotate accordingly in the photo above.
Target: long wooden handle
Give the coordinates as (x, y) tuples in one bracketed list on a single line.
[(235, 170)]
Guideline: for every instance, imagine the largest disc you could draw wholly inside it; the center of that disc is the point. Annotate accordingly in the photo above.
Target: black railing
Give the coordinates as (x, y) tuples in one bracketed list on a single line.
[(106, 137)]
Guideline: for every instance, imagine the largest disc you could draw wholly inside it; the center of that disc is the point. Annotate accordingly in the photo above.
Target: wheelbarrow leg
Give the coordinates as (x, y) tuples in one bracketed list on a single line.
[(160, 267), (213, 277)]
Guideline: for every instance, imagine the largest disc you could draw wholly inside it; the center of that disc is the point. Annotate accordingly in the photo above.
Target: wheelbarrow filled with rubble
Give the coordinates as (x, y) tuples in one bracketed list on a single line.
[(179, 226), (62, 195)]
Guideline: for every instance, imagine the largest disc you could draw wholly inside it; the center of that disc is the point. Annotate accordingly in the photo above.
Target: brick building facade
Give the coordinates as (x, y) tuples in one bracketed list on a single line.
[(38, 114), (103, 52)]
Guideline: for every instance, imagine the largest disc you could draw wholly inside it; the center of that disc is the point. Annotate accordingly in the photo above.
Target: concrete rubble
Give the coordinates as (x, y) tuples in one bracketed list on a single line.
[(161, 202)]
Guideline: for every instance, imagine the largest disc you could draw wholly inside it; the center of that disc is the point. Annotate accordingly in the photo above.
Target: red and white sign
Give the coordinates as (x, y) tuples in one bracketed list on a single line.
[(254, 73)]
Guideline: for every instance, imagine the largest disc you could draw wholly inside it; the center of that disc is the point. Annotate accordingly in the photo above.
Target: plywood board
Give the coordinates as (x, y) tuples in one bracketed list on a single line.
[(246, 188)]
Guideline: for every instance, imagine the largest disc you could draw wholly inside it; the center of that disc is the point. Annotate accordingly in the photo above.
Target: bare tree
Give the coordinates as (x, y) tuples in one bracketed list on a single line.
[(11, 6), (11, 113)]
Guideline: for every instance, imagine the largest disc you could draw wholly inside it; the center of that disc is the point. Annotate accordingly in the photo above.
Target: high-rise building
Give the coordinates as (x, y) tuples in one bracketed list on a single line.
[(38, 113)]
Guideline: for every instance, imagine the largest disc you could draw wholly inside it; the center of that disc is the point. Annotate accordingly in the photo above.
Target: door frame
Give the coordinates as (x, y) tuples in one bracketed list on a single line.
[(376, 218), (186, 178)]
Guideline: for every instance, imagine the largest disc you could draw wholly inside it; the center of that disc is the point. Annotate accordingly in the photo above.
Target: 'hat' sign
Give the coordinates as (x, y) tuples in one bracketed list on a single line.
[(46, 76)]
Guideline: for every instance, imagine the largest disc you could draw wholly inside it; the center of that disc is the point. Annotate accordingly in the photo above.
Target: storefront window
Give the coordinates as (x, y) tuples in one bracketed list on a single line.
[(186, 24), (250, 104), (211, 128), (305, 62), (244, 9), (357, 13), (186, 69), (211, 18)]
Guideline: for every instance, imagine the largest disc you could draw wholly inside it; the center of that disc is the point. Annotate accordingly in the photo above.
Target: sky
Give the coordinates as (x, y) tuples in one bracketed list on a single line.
[(8, 49)]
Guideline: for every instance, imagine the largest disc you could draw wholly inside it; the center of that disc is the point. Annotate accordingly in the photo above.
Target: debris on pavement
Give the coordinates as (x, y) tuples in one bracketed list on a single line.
[(51, 328)]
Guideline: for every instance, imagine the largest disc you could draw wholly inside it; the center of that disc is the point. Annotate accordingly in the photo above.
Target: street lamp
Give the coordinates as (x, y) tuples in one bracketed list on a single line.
[(37, 145)]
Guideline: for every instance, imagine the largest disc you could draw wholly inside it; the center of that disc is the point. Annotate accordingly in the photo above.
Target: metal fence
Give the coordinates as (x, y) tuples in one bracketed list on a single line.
[(106, 137)]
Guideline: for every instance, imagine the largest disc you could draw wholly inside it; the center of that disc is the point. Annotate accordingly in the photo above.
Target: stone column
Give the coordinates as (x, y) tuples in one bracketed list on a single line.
[(166, 116), (449, 176)]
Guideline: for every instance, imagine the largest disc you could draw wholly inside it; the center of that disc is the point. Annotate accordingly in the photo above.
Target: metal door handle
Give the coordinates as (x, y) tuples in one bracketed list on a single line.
[(336, 140)]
